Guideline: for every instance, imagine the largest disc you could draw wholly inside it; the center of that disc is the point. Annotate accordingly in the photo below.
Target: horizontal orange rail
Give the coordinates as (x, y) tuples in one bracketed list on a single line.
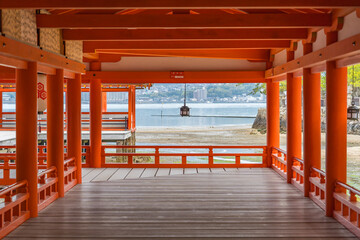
[(9, 123), (7, 161), (70, 173), (14, 210), (298, 173), (126, 156), (278, 159), (347, 206), (317, 186), (47, 187)]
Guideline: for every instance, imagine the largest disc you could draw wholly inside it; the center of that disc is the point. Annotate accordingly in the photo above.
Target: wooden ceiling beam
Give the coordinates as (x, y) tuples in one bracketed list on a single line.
[(343, 49), (92, 46), (184, 21), (176, 4), (165, 77), (184, 34), (249, 54)]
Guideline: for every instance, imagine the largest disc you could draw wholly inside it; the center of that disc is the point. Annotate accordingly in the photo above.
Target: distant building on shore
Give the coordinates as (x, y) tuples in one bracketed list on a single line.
[(200, 94)]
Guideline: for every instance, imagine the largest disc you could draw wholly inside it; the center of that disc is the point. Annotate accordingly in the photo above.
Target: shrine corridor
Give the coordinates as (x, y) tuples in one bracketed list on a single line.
[(180, 204)]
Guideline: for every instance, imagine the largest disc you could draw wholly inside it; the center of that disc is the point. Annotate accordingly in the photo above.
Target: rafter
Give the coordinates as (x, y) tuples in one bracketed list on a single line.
[(176, 4), (164, 77), (184, 34), (184, 21), (249, 54), (92, 46)]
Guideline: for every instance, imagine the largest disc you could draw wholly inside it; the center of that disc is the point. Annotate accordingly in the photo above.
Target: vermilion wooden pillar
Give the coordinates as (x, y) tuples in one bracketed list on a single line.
[(1, 109), (273, 117), (312, 121), (26, 132), (133, 107), (55, 126), (336, 126), (74, 122), (95, 118), (293, 97), (104, 102), (130, 108)]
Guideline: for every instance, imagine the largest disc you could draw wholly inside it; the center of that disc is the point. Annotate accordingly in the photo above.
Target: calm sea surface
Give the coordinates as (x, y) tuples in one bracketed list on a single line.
[(149, 115)]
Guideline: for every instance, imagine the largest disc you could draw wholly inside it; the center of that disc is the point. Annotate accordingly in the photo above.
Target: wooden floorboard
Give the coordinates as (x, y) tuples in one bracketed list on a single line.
[(149, 172), (104, 175), (249, 204), (135, 173), (163, 172), (177, 171), (120, 174), (204, 170)]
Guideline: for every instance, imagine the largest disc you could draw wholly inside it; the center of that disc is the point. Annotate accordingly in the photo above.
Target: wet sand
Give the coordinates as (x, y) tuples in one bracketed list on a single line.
[(238, 135)]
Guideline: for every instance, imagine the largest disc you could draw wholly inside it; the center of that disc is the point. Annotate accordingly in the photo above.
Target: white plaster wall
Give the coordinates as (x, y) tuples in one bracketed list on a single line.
[(181, 64), (299, 51), (320, 41), (351, 27), (280, 58)]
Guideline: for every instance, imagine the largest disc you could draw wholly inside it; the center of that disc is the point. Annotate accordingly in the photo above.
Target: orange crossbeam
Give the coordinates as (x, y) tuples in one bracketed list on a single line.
[(184, 34), (250, 54), (184, 21), (91, 46), (189, 77), (176, 4)]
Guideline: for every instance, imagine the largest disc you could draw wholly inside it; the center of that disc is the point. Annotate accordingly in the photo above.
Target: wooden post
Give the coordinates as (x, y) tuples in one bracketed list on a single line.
[(133, 107), (55, 126), (293, 90), (312, 121), (1, 109), (130, 109), (104, 102), (95, 118), (273, 117), (74, 122), (336, 126), (26, 131)]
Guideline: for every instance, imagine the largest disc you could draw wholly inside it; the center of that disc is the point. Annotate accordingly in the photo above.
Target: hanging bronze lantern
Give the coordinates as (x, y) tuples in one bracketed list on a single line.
[(353, 112), (185, 110)]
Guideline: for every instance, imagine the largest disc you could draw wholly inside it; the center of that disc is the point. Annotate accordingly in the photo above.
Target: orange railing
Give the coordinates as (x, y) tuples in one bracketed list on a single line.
[(47, 187), (184, 156), (70, 174), (317, 186), (14, 207), (347, 207), (298, 173), (278, 159), (111, 121), (8, 166)]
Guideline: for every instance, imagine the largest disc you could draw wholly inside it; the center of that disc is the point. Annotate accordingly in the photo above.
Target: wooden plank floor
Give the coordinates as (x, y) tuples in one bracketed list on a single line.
[(236, 204)]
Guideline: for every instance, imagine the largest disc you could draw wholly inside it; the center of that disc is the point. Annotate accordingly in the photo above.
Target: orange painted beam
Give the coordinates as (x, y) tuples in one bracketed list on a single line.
[(184, 21), (174, 4), (17, 55), (7, 73), (101, 57), (26, 132), (55, 126), (92, 46), (336, 51), (184, 34), (164, 77), (249, 54)]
